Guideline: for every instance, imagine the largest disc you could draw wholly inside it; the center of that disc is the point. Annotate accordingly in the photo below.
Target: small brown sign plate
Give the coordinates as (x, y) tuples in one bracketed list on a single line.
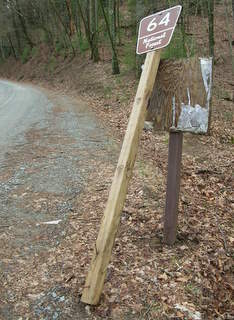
[(155, 31)]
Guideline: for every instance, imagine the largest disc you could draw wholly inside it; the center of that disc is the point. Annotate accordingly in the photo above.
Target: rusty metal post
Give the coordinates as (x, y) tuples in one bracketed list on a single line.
[(173, 186)]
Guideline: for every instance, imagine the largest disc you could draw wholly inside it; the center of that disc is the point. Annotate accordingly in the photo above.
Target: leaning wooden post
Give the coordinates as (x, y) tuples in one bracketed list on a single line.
[(173, 186), (109, 226)]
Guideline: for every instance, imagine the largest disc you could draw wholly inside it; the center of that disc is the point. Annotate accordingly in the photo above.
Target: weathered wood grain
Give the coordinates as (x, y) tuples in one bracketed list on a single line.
[(174, 79), (109, 226)]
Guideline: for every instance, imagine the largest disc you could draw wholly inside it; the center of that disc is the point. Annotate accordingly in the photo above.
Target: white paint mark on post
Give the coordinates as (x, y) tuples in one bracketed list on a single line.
[(189, 99)]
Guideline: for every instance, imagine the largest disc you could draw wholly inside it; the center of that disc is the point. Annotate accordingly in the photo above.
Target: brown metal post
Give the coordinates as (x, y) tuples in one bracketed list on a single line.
[(173, 186)]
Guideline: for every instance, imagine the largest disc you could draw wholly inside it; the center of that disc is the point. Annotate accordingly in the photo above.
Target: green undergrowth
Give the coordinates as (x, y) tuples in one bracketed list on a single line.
[(26, 54), (129, 55)]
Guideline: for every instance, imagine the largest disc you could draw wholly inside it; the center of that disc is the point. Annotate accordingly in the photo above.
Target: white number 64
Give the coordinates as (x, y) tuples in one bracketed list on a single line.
[(153, 25)]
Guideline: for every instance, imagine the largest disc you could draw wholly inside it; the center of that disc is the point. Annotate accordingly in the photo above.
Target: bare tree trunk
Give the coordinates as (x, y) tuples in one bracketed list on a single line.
[(182, 26), (78, 23), (86, 26), (229, 34), (118, 22), (63, 25), (17, 34), (2, 51), (112, 15), (94, 36), (12, 46), (211, 27), (140, 11), (23, 24), (87, 8), (115, 62), (71, 21)]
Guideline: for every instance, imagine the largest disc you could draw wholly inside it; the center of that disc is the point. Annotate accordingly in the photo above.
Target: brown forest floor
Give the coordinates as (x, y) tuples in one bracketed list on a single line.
[(147, 279)]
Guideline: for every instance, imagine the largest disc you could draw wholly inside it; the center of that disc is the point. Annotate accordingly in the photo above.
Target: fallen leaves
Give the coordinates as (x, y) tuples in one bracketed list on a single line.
[(146, 279)]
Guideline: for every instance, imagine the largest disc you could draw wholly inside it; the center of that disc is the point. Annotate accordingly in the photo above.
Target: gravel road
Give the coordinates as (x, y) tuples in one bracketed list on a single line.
[(20, 108), (49, 144)]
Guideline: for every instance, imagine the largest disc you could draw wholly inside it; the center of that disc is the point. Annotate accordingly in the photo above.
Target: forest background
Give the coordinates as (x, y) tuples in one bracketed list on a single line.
[(71, 27), (87, 48)]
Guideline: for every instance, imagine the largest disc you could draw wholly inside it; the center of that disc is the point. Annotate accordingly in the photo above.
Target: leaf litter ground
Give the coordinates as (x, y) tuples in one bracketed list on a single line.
[(146, 279)]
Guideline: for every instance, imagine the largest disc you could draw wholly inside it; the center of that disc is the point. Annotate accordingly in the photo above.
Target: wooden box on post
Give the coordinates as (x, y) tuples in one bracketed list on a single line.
[(181, 95)]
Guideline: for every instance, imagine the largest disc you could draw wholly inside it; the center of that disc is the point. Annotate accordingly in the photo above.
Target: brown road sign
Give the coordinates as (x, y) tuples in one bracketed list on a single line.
[(156, 31)]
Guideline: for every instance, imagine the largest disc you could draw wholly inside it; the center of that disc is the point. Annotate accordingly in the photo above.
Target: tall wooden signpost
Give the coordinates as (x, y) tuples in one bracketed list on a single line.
[(155, 33)]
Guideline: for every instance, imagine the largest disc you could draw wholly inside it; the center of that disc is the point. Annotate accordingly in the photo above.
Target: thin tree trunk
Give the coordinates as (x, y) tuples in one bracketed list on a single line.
[(12, 46), (115, 62), (182, 27), (86, 26), (23, 24), (112, 15), (94, 36), (63, 25), (87, 8), (72, 28), (2, 51), (211, 27), (140, 11), (229, 34), (118, 22), (17, 34), (78, 21)]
